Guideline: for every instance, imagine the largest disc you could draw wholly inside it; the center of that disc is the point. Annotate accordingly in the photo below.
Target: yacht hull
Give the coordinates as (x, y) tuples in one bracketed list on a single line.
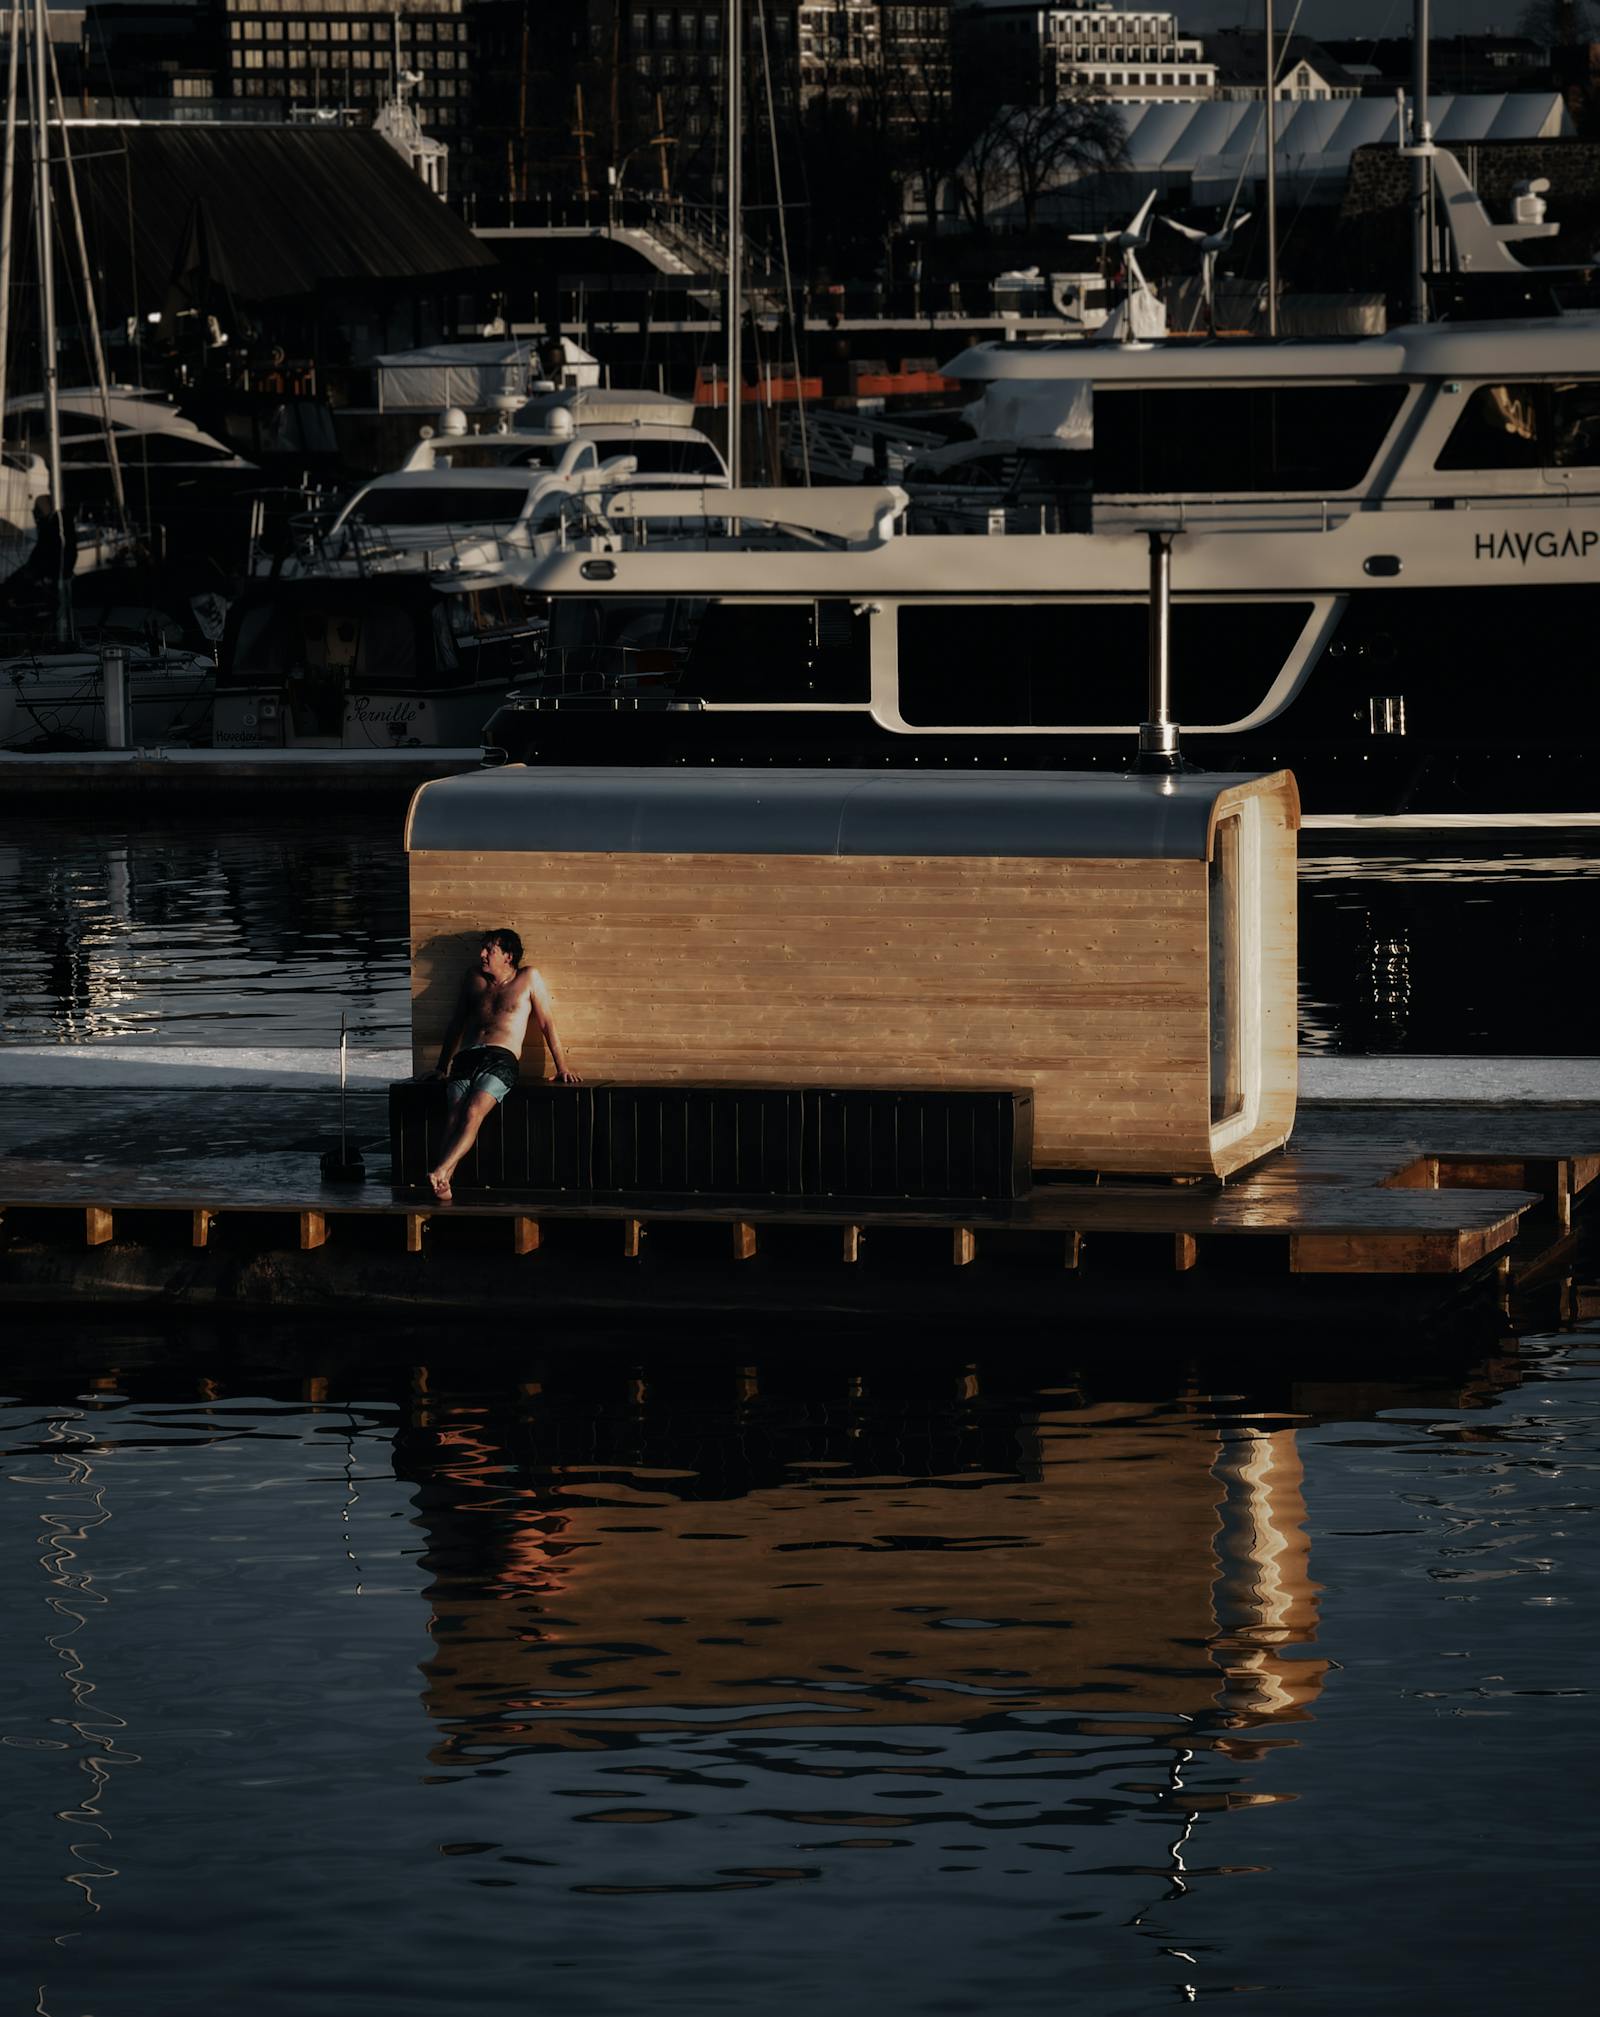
[(55, 701), (1407, 701)]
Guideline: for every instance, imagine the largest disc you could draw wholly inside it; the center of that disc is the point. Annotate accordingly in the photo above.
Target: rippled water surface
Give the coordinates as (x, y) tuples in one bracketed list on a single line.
[(782, 1682), (207, 930), (199, 930)]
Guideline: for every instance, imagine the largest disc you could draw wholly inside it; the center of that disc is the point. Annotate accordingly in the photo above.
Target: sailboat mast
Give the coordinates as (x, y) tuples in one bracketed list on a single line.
[(734, 102), (1272, 176), (7, 200), (49, 366)]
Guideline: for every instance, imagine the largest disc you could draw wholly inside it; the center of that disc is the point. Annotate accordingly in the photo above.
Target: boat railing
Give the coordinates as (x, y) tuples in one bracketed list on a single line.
[(587, 671), (323, 544)]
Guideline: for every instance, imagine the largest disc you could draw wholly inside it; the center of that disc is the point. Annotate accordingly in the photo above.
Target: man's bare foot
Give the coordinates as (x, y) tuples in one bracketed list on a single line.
[(439, 1183)]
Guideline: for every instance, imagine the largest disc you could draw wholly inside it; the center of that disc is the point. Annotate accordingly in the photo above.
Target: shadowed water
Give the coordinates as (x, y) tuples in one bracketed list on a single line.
[(785, 1679), (259, 932)]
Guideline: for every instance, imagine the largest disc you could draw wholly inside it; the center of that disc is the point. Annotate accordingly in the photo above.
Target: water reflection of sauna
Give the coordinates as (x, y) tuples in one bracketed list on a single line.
[(1108, 1558)]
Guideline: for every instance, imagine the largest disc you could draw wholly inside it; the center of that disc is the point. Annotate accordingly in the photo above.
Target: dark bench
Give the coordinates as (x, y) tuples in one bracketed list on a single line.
[(744, 1141)]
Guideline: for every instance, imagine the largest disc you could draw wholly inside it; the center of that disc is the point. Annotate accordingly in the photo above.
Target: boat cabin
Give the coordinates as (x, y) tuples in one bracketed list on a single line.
[(357, 664), (1124, 948)]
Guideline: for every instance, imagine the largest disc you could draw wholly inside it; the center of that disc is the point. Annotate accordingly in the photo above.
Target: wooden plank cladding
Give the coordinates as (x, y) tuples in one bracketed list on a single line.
[(823, 930)]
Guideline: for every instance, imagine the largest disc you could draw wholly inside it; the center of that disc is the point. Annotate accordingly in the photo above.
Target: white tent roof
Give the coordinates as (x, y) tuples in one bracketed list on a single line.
[(1319, 134)]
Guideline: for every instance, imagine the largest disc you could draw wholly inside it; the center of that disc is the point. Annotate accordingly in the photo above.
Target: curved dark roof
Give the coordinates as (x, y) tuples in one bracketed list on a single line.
[(288, 210), (1065, 814)]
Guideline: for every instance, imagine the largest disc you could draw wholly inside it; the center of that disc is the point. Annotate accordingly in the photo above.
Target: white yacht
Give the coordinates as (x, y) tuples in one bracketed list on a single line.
[(167, 464), (654, 429), (404, 620), (460, 505), (401, 620), (1386, 573)]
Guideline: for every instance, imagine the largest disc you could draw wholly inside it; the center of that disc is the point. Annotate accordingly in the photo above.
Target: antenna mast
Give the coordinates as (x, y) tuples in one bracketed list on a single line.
[(734, 101)]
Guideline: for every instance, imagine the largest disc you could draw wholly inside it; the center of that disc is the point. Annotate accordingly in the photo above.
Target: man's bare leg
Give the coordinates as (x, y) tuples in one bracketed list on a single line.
[(468, 1117)]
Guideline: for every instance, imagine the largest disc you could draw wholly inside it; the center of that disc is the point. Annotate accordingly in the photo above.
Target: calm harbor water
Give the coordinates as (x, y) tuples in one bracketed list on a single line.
[(260, 933), (404, 1677), (379, 1672)]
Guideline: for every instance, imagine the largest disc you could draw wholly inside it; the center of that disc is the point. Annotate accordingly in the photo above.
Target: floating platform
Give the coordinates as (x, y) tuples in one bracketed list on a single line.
[(210, 1201), (192, 775)]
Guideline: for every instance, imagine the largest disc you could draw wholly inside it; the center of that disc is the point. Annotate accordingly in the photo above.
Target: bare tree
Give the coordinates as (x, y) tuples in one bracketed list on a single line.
[(919, 71), (1558, 23), (1077, 135)]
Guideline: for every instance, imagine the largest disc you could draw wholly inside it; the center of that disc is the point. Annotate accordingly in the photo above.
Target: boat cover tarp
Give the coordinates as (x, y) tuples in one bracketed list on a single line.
[(468, 375), (1054, 413)]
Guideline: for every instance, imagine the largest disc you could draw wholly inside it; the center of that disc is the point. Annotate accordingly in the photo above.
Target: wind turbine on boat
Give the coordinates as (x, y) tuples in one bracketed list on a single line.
[(1212, 245), (1148, 318)]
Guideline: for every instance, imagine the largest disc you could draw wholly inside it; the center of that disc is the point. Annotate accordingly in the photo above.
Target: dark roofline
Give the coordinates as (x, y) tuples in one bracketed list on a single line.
[(289, 211), (1240, 56)]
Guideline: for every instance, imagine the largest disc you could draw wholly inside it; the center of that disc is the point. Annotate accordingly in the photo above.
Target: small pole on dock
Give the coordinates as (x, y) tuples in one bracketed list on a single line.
[(1158, 736), (114, 694), (342, 1165)]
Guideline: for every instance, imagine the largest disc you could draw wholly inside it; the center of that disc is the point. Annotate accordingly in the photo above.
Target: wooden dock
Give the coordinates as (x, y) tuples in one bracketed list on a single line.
[(1343, 1205)]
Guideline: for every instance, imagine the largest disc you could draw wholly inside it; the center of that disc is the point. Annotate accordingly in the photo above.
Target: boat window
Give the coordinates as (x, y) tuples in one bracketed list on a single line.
[(488, 609), (721, 651), (376, 643), (1528, 426), (1575, 424), (438, 504), (810, 651), (581, 624), (253, 655), (666, 458), (1048, 665), (499, 452), (444, 644), (1501, 427), (1206, 439), (385, 651)]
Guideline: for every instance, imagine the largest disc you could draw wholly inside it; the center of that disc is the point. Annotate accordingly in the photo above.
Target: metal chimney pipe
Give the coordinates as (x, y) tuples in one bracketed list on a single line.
[(1158, 737)]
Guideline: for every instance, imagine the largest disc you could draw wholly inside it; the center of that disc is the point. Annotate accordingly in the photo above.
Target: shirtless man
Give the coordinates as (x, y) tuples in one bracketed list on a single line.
[(497, 998)]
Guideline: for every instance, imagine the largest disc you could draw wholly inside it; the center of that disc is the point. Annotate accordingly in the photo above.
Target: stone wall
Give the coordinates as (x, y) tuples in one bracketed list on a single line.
[(1380, 177)]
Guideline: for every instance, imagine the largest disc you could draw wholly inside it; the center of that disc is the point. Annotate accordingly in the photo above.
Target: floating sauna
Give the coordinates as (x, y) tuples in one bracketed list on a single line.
[(1122, 945)]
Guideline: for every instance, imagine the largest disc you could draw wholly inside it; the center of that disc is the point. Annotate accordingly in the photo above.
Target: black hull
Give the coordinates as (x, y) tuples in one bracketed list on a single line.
[(1495, 692)]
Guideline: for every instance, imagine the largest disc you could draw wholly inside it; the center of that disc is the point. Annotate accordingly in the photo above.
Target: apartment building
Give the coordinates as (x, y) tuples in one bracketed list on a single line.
[(1124, 53), (330, 53)]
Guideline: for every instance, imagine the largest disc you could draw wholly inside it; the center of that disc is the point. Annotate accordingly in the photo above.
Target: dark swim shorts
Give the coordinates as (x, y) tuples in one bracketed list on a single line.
[(484, 1069)]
